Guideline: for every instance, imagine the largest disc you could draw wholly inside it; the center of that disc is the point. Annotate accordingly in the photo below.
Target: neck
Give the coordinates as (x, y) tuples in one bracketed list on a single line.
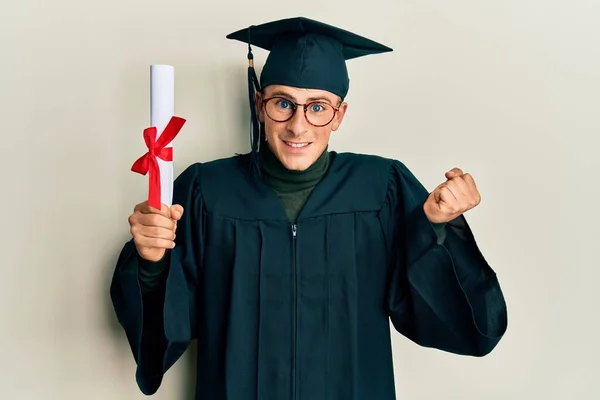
[(281, 179)]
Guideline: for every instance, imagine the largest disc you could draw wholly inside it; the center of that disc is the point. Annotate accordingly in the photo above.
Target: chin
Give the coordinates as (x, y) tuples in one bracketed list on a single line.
[(296, 162), (296, 165)]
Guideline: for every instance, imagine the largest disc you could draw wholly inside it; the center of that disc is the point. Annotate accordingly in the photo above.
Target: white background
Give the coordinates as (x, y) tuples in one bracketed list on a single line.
[(507, 90)]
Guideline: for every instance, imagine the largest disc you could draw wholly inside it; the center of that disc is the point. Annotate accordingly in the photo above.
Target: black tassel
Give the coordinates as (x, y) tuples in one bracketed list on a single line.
[(253, 85)]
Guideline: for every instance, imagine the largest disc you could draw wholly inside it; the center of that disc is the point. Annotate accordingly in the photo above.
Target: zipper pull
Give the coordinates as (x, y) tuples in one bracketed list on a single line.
[(294, 230)]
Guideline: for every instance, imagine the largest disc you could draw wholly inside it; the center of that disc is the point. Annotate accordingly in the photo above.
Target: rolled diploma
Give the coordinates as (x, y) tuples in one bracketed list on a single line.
[(162, 108)]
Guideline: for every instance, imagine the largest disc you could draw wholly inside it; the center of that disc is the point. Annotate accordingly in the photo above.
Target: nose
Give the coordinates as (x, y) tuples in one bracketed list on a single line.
[(298, 124)]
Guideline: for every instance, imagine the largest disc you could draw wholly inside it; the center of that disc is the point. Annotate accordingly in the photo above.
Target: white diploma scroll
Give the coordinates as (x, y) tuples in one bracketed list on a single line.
[(162, 108)]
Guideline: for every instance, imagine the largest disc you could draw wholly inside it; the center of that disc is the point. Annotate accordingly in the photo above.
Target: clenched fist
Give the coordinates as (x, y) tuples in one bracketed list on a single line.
[(452, 198), (153, 230)]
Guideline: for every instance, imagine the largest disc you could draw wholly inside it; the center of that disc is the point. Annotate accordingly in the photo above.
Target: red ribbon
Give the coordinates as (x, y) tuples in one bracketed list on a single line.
[(156, 148)]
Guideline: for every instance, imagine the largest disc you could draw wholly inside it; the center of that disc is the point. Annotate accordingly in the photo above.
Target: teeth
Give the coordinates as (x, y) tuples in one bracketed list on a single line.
[(296, 145)]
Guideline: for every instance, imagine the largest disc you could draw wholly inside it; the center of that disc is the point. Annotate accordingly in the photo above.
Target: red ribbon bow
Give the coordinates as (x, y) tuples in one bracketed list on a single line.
[(156, 148)]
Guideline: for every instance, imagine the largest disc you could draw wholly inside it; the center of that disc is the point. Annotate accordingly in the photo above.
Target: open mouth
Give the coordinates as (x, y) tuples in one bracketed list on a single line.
[(296, 145)]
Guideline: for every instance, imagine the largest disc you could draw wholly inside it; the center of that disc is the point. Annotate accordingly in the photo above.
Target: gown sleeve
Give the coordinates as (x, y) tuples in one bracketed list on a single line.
[(442, 292), (160, 323)]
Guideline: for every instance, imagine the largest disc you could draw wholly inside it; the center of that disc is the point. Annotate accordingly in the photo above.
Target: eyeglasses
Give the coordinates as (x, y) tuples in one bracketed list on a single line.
[(317, 113)]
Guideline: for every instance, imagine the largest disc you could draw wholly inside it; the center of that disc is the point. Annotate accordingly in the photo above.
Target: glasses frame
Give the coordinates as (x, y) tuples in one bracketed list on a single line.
[(303, 106)]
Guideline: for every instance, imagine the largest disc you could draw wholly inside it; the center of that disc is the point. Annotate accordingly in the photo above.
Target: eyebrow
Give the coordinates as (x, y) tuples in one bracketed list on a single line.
[(310, 99)]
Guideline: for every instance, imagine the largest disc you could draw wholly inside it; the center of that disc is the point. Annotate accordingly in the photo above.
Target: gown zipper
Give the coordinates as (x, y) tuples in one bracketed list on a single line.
[(295, 312)]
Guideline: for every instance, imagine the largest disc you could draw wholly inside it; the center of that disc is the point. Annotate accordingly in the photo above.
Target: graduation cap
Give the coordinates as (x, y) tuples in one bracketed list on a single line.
[(303, 53)]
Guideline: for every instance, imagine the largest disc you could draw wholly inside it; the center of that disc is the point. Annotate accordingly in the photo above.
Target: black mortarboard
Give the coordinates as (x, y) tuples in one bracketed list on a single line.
[(303, 53)]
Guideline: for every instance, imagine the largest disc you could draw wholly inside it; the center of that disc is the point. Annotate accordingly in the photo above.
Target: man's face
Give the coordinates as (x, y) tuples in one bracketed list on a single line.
[(296, 142)]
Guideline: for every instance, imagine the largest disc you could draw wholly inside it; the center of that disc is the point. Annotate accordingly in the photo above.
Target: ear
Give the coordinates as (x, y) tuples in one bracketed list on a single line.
[(339, 116), (259, 106)]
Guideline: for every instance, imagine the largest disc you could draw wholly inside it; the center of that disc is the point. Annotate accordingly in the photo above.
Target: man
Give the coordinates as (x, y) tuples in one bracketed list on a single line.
[(288, 263)]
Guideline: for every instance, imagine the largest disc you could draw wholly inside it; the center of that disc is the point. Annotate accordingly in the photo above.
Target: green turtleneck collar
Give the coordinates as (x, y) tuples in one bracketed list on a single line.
[(293, 188), (283, 180)]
